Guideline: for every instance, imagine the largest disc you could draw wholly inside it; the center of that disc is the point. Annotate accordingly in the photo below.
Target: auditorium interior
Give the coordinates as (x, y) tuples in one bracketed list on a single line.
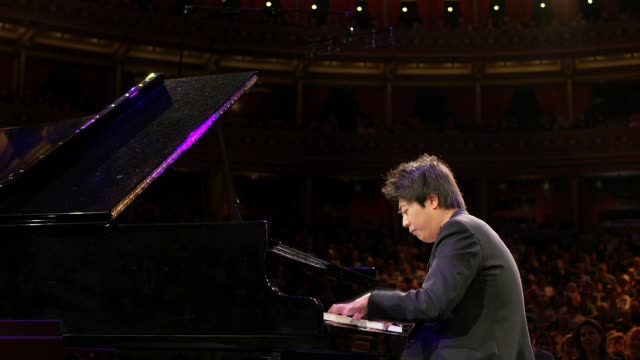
[(535, 105)]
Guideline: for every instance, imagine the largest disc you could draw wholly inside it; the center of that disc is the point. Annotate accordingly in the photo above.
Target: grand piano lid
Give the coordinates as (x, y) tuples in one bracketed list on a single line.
[(91, 169), (22, 148)]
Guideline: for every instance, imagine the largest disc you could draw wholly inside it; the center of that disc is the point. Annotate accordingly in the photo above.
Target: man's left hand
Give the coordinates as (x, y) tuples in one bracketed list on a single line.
[(357, 308)]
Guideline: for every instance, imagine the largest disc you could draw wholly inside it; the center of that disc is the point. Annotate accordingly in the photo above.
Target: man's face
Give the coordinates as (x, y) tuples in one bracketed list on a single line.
[(422, 222)]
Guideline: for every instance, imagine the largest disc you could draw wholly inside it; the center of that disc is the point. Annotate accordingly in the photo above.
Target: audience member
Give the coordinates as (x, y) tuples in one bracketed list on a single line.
[(632, 344), (591, 341)]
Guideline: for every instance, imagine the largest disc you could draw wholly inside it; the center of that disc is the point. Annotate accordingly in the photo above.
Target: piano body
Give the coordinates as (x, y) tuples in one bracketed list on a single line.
[(201, 287)]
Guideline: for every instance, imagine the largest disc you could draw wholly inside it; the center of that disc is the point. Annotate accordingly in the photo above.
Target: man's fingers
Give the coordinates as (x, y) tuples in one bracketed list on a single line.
[(347, 310), (338, 309)]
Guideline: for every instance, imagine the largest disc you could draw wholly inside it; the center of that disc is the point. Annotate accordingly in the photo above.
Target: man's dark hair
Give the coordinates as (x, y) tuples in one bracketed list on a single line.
[(415, 181)]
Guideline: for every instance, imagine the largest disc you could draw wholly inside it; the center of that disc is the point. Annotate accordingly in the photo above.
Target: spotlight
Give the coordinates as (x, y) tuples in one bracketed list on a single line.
[(498, 13), (592, 10), (348, 35), (320, 10), (452, 13), (273, 11), (362, 19), (543, 14), (409, 16)]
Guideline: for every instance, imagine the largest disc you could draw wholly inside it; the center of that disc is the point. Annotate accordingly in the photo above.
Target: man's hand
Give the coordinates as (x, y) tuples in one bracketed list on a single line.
[(358, 308)]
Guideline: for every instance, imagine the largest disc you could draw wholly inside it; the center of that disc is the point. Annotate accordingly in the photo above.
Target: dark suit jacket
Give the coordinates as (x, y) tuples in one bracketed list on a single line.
[(470, 305)]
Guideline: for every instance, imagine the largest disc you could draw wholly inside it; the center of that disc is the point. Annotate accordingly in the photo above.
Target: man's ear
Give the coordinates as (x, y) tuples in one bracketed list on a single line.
[(432, 202)]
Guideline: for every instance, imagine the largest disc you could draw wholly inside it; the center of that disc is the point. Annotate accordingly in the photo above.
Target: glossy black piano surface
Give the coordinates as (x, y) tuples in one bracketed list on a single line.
[(24, 147), (202, 286)]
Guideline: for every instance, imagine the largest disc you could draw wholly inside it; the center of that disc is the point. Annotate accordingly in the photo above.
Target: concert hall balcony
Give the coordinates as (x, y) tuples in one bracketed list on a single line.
[(503, 89)]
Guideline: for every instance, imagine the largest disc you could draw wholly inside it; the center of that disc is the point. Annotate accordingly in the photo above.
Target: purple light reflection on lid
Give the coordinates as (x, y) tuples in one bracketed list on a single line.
[(88, 123), (191, 139), (134, 94)]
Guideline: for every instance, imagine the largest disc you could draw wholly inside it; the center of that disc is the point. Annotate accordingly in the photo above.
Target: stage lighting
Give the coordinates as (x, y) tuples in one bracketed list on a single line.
[(497, 13), (409, 16), (320, 10), (273, 11), (543, 13), (592, 10), (184, 7), (363, 19), (452, 13)]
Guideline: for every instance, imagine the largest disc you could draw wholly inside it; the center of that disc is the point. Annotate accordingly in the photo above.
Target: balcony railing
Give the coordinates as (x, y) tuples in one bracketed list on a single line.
[(551, 153), (256, 33)]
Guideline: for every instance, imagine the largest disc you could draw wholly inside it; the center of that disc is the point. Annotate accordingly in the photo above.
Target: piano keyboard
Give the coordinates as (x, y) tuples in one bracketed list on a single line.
[(378, 326)]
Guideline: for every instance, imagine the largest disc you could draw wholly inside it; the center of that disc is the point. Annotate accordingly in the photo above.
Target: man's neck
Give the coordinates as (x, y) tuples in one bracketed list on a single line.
[(446, 215)]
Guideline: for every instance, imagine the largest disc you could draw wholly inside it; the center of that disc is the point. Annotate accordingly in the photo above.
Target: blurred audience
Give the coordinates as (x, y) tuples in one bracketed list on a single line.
[(579, 303)]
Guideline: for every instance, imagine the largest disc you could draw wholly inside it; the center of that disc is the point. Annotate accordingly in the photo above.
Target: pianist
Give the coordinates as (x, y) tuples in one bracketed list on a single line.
[(470, 305)]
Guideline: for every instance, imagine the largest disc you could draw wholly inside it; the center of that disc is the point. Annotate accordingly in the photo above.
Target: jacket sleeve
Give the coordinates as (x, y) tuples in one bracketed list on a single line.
[(455, 263)]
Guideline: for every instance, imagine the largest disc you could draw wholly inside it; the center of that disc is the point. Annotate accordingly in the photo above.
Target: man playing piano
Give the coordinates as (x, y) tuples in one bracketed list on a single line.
[(470, 305)]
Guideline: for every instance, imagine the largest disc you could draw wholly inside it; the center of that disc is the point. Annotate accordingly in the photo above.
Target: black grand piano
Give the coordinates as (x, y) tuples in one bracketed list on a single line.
[(187, 288)]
